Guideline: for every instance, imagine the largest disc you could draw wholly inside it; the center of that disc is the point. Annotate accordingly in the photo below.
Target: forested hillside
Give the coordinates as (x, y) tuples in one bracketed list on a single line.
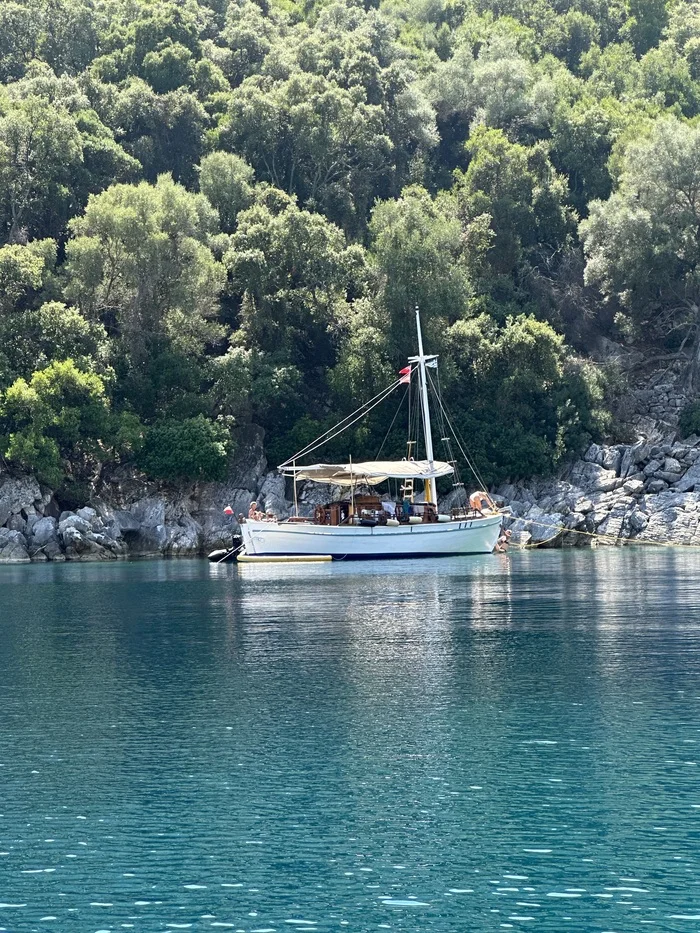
[(214, 213)]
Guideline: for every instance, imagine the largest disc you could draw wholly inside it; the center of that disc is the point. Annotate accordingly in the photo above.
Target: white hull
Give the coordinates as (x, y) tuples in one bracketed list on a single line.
[(472, 536)]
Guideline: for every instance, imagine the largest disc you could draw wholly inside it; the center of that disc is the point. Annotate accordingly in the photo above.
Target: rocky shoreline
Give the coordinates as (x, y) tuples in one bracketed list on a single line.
[(647, 491)]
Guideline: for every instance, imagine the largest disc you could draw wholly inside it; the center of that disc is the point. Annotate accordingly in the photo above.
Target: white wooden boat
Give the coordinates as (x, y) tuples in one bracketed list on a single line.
[(469, 536), (360, 526)]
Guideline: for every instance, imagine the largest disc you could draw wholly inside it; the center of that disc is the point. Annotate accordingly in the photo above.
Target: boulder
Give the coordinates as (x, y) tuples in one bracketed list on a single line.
[(272, 495), (73, 522), (638, 520), (655, 485), (689, 479), (43, 531), (90, 516), (125, 521), (671, 465), (85, 546), (612, 458), (633, 455), (13, 547), (594, 478), (544, 527), (669, 478), (594, 454), (611, 527), (17, 494), (17, 523)]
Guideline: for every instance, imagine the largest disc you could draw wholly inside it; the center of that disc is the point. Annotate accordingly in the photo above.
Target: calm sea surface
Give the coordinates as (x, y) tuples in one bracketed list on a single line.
[(477, 744)]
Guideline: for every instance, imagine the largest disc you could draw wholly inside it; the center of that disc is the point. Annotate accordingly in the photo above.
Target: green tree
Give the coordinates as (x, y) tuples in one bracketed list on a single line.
[(521, 192), (57, 423), (418, 247), (24, 272), (528, 406), (311, 138), (646, 23), (165, 132), (139, 261), (641, 244), (195, 449), (582, 139), (227, 182)]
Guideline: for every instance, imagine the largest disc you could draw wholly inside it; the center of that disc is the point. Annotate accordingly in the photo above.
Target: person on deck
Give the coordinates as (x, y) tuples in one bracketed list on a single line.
[(253, 512), (479, 501), (406, 509)]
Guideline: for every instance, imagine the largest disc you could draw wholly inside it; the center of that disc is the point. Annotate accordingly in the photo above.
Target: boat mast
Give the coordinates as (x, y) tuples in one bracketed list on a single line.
[(427, 430)]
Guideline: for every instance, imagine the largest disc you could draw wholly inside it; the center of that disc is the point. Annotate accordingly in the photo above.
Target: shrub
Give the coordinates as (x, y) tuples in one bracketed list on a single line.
[(58, 422), (689, 421), (193, 449)]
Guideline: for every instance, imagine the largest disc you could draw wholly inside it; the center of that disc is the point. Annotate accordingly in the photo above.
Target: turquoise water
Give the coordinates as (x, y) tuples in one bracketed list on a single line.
[(474, 744)]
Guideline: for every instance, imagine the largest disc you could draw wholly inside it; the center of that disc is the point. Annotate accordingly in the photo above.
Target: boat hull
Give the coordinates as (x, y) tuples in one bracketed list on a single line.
[(382, 542)]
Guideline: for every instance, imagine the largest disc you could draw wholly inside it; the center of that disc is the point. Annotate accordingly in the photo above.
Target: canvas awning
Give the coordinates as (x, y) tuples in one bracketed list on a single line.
[(370, 472)]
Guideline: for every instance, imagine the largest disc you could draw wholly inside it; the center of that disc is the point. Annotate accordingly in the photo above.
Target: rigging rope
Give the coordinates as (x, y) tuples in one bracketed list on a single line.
[(327, 436), (460, 442), (393, 420)]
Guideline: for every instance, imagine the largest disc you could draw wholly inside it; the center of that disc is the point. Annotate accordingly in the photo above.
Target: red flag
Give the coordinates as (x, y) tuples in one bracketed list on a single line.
[(404, 371), (228, 510), (405, 374)]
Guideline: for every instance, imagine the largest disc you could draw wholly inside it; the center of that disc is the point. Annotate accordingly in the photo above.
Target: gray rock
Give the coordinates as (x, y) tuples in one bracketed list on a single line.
[(593, 478), (612, 458), (53, 550), (149, 512), (272, 495), (633, 455), (89, 515), (17, 523), (611, 527), (679, 450), (656, 485), (671, 465), (689, 479), (652, 467), (184, 538), (633, 487), (73, 523), (43, 531), (13, 547), (545, 527), (594, 454), (126, 521), (84, 546), (638, 520), (17, 494), (670, 478)]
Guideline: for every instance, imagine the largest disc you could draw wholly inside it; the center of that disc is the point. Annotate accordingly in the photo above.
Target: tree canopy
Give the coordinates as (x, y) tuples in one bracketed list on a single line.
[(222, 212)]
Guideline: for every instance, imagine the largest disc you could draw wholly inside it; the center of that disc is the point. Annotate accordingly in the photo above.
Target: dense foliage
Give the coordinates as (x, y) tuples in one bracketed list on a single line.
[(218, 212)]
